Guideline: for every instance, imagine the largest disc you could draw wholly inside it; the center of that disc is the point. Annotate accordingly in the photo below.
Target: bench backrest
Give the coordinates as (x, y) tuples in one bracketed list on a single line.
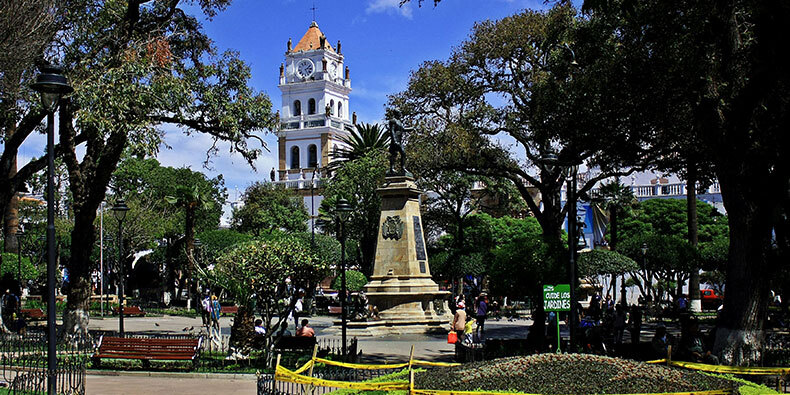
[(295, 343), (156, 347)]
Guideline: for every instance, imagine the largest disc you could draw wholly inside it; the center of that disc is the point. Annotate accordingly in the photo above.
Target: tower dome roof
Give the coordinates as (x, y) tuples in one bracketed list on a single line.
[(312, 39)]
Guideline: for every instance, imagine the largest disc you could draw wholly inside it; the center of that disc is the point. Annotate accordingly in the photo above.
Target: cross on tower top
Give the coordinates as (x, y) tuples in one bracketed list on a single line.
[(313, 8)]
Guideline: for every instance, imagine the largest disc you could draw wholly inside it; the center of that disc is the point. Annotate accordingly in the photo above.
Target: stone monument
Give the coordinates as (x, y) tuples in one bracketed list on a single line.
[(401, 287)]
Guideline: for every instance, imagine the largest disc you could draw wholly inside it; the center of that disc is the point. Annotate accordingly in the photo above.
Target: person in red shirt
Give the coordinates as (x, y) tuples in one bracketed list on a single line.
[(305, 330)]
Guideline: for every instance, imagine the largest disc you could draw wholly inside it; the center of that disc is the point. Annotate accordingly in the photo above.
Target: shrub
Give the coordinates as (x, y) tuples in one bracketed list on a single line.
[(569, 374), (355, 281)]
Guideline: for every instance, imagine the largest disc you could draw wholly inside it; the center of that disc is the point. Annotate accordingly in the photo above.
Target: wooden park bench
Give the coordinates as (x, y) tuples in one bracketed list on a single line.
[(33, 314), (228, 310), (147, 349), (130, 311), (295, 343), (335, 310)]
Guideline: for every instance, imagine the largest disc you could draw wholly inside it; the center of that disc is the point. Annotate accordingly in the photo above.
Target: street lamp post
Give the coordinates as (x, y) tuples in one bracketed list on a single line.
[(342, 210), (119, 210), (644, 258), (312, 210), (572, 170), (550, 162), (51, 84), (20, 233)]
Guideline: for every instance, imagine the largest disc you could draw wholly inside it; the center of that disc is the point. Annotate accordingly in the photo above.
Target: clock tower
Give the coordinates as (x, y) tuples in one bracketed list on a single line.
[(314, 115)]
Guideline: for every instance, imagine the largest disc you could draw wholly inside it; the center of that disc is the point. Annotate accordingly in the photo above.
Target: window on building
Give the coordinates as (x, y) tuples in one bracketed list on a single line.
[(312, 156), (332, 107), (295, 157), (340, 109), (297, 108), (311, 106)]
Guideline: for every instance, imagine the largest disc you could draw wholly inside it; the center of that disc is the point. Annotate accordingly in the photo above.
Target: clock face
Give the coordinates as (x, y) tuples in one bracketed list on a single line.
[(305, 68), (333, 70)]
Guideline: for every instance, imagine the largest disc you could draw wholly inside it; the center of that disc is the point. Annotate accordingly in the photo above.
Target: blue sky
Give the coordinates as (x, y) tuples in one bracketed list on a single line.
[(381, 42)]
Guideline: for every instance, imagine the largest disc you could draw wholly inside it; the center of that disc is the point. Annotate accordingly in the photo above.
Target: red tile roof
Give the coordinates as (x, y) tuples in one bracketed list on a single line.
[(312, 40)]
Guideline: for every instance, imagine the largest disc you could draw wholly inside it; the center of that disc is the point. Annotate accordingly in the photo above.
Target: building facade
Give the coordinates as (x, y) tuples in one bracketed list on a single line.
[(314, 115)]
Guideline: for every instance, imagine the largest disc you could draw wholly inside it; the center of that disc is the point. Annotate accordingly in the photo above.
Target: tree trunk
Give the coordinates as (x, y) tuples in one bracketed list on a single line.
[(749, 207), (693, 227), (83, 237), (11, 217), (191, 283), (242, 331)]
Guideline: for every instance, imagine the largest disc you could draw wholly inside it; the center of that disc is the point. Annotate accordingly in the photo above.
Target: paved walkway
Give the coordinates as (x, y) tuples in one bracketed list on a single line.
[(393, 349), (374, 349)]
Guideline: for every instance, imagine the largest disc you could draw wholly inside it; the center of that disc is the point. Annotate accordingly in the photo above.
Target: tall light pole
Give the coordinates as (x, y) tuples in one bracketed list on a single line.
[(312, 210), (119, 210), (20, 233), (51, 84), (550, 162), (101, 257), (644, 260), (342, 210)]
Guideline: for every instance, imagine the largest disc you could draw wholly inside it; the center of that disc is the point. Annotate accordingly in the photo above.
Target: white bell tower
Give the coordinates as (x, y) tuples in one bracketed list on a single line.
[(315, 112)]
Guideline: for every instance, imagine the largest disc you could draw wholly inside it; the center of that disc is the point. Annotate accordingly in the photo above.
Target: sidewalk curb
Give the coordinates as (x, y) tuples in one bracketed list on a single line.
[(174, 375)]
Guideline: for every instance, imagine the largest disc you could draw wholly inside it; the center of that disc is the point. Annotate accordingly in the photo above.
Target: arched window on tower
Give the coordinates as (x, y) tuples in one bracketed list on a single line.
[(312, 156), (295, 157), (340, 109), (311, 106), (297, 108), (332, 107)]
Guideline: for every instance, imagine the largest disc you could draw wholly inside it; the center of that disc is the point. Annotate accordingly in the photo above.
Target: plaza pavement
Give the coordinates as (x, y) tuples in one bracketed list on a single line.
[(394, 348)]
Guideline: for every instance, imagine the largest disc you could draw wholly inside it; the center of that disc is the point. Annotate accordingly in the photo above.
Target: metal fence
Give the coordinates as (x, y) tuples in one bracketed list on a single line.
[(23, 363), (267, 385)]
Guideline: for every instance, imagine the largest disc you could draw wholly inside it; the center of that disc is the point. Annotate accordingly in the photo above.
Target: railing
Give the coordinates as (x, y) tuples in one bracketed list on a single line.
[(671, 189), (302, 183), (23, 363), (313, 121)]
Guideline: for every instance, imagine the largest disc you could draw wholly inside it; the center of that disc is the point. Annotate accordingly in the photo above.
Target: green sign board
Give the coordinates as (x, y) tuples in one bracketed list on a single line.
[(557, 297)]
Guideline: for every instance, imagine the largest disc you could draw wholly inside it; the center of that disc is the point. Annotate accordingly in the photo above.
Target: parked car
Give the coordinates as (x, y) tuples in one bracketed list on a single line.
[(710, 298)]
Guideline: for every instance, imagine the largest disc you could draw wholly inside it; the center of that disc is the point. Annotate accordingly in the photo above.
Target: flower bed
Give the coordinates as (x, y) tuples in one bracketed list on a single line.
[(569, 374)]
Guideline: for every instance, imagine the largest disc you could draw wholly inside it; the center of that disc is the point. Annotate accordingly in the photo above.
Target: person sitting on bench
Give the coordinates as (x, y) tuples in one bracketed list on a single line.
[(305, 331)]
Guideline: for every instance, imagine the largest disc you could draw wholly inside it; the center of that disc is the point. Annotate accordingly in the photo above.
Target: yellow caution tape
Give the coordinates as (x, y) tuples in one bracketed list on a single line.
[(304, 367), (437, 392), (429, 363), (283, 374), (414, 362), (755, 371), (730, 369), (362, 366)]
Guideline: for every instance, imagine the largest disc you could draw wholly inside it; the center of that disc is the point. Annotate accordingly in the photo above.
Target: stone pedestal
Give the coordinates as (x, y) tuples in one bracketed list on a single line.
[(401, 286)]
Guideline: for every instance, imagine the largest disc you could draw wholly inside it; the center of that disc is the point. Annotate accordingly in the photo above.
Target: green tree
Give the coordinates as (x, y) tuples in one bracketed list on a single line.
[(512, 93), (131, 74), (719, 61), (254, 274), (357, 181), (355, 281), (269, 207), (362, 138)]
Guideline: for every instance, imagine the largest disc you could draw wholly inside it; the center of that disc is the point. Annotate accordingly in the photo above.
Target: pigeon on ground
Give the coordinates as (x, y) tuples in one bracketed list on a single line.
[(156, 323)]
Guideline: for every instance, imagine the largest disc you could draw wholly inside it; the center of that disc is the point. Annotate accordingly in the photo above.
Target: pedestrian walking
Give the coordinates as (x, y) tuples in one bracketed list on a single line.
[(480, 315), (216, 308)]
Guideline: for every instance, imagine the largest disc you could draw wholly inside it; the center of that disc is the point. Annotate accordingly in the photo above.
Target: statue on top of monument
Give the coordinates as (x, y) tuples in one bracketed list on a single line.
[(395, 128)]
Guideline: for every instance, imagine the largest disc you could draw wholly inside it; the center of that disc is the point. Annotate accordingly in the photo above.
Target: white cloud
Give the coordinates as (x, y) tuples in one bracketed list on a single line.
[(389, 6)]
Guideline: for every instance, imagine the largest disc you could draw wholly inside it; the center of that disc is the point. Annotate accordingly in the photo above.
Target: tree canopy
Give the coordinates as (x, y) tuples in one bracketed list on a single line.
[(268, 207)]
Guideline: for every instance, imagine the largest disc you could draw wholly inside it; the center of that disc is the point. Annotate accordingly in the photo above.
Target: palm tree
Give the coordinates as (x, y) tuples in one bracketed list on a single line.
[(613, 197), (191, 199), (363, 138)]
